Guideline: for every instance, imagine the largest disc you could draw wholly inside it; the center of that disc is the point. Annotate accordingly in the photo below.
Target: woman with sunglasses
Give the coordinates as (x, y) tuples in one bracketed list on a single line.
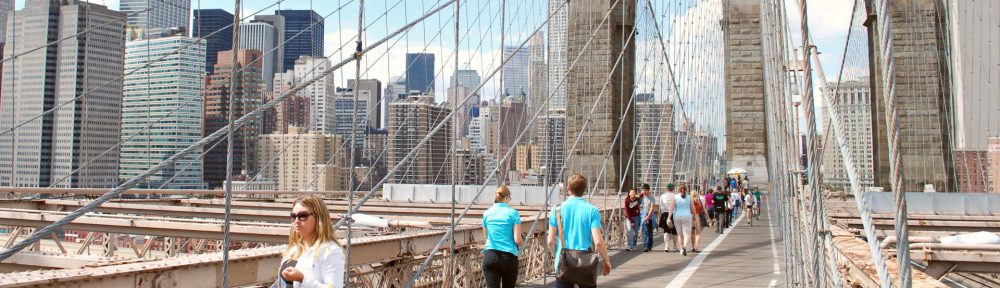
[(314, 257), (502, 226)]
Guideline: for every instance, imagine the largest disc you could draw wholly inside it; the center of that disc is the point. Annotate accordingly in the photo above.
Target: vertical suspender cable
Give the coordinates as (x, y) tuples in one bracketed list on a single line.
[(885, 45), (454, 153), (358, 54), (816, 193), (233, 80)]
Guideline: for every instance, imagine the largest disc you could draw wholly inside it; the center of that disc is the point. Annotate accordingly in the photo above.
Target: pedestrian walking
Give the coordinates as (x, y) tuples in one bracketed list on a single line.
[(709, 207), (669, 230), (575, 234), (700, 219), (648, 207), (734, 199), (502, 227), (682, 217), (633, 217), (721, 199)]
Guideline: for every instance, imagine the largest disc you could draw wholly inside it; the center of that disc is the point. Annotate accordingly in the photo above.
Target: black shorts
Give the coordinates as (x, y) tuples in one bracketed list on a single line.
[(672, 230)]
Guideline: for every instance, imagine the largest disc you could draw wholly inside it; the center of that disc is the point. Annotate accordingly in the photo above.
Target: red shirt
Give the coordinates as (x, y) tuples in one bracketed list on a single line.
[(632, 207)]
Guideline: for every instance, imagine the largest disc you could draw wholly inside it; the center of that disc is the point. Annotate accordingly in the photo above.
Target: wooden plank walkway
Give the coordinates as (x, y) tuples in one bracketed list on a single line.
[(744, 257)]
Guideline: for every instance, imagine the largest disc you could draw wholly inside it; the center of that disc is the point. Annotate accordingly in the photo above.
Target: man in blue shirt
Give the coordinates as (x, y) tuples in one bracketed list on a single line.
[(581, 225)]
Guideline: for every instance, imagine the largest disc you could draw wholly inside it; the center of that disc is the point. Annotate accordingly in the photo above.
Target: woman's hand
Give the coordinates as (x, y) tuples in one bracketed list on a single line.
[(292, 274)]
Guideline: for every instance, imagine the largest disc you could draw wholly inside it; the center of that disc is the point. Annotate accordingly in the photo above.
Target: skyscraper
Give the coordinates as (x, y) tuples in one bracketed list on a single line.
[(260, 36), (410, 121), (853, 108), (538, 88), (456, 94), (557, 34), (462, 84), (5, 7), (586, 85), (513, 120), (157, 15), (467, 77), (993, 150), (974, 76), (50, 147), (294, 111), (374, 108), (146, 101), (213, 26), (343, 110), (308, 43), (301, 160), (420, 72), (243, 98), (654, 153), (278, 22), (320, 93), (551, 130), (515, 72), (395, 90)]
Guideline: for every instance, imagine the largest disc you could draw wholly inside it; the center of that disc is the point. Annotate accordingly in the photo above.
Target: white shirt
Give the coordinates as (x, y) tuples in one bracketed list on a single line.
[(733, 197), (749, 199), (321, 265), (666, 202)]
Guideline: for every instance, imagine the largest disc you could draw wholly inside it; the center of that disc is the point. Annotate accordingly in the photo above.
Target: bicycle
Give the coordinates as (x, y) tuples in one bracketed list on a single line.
[(756, 210)]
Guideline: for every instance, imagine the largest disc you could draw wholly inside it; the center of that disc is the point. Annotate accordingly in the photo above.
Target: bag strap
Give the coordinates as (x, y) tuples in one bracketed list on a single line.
[(559, 224)]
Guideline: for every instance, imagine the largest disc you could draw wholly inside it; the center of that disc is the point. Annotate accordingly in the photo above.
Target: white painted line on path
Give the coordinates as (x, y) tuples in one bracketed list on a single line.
[(696, 262), (774, 248)]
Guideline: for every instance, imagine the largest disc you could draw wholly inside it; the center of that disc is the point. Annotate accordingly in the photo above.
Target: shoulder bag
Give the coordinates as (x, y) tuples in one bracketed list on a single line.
[(576, 266)]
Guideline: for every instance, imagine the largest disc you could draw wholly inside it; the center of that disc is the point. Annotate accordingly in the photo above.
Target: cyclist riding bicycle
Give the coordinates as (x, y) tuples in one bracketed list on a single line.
[(756, 195), (751, 203)]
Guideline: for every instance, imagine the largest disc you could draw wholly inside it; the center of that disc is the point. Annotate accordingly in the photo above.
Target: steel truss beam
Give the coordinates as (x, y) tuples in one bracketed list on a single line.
[(100, 191), (379, 261), (259, 265), (211, 211)]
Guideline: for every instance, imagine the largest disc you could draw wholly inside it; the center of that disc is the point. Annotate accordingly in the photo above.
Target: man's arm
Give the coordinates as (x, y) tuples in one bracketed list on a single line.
[(602, 249), (649, 213), (552, 238)]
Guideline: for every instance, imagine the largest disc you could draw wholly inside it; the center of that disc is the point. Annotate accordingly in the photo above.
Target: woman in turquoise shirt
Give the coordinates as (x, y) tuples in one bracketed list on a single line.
[(502, 226)]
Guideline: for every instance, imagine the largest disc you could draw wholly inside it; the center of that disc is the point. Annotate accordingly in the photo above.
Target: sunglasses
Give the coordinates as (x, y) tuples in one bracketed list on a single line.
[(301, 216)]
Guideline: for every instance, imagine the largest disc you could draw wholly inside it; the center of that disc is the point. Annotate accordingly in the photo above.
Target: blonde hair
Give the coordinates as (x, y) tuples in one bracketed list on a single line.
[(324, 227), (502, 193)]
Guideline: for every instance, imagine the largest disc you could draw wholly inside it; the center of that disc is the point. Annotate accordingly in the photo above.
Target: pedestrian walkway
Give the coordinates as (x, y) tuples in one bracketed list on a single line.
[(742, 257)]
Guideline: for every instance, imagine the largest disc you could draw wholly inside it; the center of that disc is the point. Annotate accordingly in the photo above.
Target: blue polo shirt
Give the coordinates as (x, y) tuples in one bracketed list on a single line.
[(499, 222), (578, 218)]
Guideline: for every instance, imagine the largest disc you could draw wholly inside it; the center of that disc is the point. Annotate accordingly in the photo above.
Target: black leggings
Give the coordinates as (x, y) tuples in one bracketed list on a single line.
[(499, 268)]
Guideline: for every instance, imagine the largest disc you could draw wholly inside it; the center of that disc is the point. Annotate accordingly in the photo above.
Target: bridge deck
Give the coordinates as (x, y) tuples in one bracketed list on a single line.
[(742, 257)]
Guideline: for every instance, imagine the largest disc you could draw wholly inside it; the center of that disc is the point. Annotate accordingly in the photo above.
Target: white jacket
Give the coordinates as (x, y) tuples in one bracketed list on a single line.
[(321, 265)]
